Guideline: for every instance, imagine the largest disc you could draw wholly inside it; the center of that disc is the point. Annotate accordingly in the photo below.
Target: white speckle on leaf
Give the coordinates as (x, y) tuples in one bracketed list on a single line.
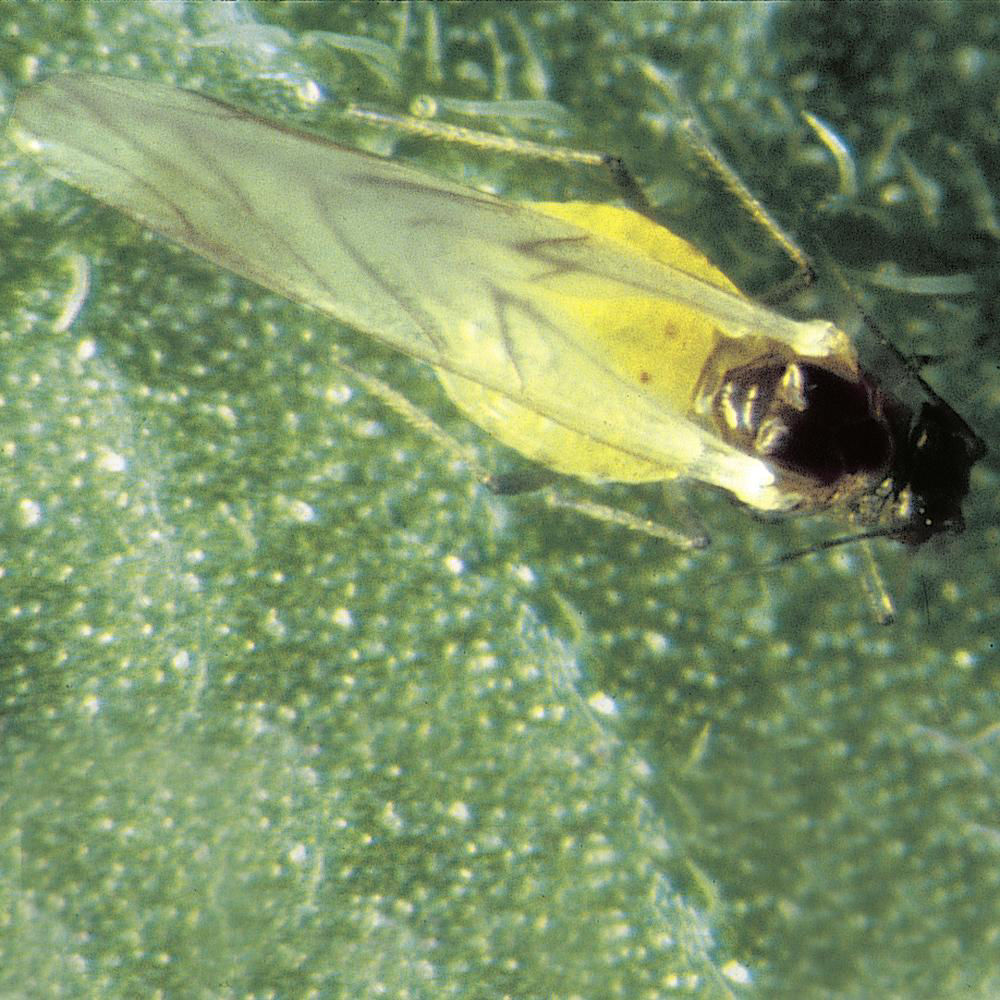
[(459, 811), (301, 511), (737, 972), (602, 704), (86, 349), (31, 512), (111, 461)]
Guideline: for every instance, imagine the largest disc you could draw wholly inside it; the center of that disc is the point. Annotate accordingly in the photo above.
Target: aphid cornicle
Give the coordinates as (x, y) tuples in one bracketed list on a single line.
[(586, 337)]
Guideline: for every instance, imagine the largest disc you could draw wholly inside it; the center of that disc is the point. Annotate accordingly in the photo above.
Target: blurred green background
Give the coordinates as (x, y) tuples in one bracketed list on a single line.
[(292, 707)]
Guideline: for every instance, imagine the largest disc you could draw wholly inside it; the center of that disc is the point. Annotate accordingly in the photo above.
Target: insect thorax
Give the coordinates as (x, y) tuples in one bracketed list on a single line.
[(819, 424), (834, 438)]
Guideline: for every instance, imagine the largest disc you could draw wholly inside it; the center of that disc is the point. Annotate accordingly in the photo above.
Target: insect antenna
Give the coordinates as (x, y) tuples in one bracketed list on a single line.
[(881, 602), (831, 543)]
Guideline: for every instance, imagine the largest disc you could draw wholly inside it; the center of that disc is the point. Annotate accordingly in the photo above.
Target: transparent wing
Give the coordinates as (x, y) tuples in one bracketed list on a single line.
[(446, 274)]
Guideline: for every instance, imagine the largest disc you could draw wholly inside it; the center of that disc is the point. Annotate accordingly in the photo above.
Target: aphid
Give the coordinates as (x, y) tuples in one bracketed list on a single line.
[(586, 337)]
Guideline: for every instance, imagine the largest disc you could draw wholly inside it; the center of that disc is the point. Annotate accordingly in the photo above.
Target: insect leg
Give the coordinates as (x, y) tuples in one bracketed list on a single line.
[(447, 132), (622, 518), (516, 482), (629, 188), (539, 480), (706, 150), (875, 589), (413, 415)]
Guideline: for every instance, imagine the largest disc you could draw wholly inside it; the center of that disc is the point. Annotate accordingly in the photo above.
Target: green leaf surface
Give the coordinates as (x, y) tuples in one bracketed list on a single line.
[(292, 707)]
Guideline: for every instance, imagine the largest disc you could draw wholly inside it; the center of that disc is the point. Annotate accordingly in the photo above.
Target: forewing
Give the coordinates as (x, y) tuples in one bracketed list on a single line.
[(458, 278)]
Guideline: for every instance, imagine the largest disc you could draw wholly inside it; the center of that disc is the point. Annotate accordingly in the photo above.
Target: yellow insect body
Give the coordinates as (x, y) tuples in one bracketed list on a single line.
[(634, 333), (584, 336)]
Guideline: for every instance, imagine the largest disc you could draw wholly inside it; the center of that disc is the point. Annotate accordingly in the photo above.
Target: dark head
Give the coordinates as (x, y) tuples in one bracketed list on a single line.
[(931, 473)]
